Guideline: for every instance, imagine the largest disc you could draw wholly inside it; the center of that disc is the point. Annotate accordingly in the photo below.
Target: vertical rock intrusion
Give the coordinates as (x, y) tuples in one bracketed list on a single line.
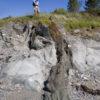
[(56, 85), (72, 78)]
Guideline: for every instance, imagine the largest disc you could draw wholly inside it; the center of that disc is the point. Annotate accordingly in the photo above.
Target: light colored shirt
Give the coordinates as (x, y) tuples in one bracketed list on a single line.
[(36, 2)]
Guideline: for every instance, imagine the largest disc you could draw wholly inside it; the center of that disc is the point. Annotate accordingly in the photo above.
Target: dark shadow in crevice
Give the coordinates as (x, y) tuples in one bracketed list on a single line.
[(46, 87)]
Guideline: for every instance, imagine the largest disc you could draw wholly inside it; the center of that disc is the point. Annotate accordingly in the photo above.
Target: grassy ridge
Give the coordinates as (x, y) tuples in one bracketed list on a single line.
[(69, 20), (25, 19), (74, 23)]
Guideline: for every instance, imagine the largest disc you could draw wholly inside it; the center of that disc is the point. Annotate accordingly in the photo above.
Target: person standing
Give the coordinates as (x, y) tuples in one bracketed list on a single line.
[(36, 7)]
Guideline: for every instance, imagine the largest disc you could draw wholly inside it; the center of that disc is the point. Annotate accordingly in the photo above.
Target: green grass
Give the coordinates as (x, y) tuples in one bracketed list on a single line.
[(69, 20), (75, 23), (60, 11), (25, 19)]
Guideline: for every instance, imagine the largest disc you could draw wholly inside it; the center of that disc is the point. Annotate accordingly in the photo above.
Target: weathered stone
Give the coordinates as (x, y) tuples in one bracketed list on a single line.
[(68, 69), (20, 65)]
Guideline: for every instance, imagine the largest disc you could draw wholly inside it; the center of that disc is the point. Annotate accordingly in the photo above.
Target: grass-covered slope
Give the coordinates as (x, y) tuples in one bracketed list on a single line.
[(69, 20)]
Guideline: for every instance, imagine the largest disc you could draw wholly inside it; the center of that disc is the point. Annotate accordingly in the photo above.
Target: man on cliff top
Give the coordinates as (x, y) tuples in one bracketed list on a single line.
[(36, 7)]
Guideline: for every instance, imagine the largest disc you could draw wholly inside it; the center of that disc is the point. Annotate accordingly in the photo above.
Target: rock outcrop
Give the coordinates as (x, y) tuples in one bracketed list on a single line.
[(35, 65), (21, 67), (77, 75)]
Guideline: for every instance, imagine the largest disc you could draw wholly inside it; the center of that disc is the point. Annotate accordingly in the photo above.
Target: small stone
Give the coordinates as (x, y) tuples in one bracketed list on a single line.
[(69, 45)]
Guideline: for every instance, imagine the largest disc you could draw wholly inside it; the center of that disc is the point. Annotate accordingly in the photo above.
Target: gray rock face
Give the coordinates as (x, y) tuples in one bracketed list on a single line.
[(34, 67), (86, 75), (21, 67), (34, 70), (77, 75), (86, 53)]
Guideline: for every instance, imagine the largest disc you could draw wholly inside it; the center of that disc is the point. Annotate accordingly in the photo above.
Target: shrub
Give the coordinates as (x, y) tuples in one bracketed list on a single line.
[(60, 11)]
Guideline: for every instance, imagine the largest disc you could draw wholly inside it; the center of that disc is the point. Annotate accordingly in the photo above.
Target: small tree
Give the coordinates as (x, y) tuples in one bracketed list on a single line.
[(92, 6), (60, 11), (73, 6), (98, 4)]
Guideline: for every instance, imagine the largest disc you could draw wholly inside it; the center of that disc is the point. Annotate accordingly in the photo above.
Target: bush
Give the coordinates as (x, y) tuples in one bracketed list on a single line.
[(60, 11), (8, 17)]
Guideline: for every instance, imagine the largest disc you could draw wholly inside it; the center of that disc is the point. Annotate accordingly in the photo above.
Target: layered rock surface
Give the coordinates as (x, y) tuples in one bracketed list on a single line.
[(34, 67), (24, 70), (77, 75)]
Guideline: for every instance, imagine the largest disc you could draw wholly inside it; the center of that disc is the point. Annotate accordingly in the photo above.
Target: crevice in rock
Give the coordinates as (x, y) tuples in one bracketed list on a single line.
[(90, 91), (40, 32), (46, 87), (25, 28), (53, 82), (69, 53)]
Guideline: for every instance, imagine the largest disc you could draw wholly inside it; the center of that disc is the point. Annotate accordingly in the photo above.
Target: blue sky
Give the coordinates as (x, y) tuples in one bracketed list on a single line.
[(24, 7)]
